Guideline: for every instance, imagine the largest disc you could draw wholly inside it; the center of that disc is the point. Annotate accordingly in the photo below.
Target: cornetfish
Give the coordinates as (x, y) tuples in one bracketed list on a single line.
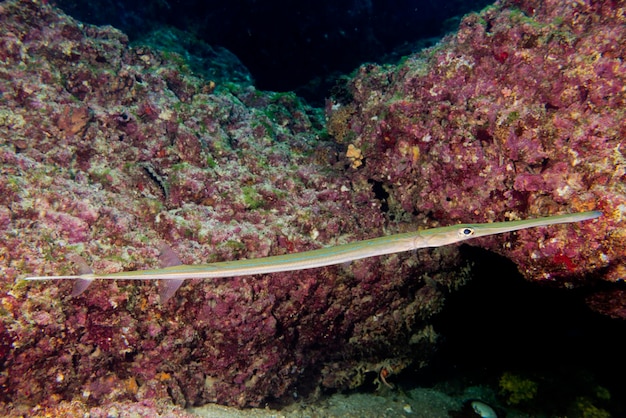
[(435, 237)]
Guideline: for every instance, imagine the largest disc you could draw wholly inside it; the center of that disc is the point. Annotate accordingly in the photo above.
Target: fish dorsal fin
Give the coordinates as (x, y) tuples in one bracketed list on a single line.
[(80, 285), (168, 258)]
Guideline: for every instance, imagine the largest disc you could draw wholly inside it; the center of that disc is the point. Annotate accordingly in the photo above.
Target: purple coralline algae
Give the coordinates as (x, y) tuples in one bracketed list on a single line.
[(109, 151), (518, 114)]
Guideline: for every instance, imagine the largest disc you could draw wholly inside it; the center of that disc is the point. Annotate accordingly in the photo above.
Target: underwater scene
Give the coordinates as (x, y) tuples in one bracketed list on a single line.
[(313, 209)]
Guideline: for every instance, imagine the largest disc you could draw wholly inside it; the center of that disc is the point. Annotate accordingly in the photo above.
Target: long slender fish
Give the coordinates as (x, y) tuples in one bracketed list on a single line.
[(436, 237)]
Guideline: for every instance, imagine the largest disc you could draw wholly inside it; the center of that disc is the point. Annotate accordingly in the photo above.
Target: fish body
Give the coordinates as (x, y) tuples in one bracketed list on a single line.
[(175, 274)]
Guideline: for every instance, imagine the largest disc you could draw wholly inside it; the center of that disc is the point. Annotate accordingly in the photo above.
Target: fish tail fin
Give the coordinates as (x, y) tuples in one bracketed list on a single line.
[(83, 279)]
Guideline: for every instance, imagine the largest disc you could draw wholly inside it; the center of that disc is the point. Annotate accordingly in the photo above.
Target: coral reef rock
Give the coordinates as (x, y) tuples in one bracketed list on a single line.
[(109, 150), (518, 114)]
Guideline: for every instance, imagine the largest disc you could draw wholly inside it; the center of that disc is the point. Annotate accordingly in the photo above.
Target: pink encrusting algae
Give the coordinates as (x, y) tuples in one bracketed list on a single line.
[(521, 111), (108, 151)]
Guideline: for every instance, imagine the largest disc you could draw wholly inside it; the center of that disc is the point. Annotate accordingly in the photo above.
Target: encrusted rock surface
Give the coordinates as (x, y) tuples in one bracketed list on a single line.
[(108, 150), (518, 114)]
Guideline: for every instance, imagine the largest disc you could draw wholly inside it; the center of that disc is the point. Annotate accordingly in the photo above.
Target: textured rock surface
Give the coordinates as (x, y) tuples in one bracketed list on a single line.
[(519, 114), (108, 150)]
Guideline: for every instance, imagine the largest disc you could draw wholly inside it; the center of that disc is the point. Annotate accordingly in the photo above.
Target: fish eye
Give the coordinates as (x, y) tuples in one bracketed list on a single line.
[(466, 232)]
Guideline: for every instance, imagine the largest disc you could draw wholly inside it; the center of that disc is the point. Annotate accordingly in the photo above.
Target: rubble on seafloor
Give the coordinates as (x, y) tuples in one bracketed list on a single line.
[(108, 149)]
